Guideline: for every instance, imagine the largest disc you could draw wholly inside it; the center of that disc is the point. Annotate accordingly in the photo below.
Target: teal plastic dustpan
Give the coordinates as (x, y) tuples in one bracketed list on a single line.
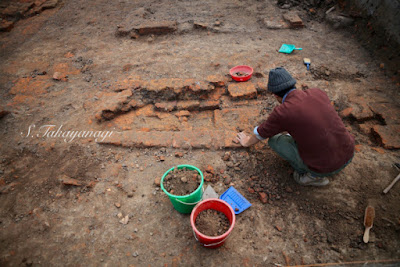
[(288, 48)]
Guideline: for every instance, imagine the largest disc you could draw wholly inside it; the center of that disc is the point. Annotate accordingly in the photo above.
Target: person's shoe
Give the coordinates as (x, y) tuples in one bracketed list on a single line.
[(308, 179)]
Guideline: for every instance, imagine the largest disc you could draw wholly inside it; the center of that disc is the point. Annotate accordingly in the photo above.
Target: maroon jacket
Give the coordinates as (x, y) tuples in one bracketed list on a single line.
[(323, 142)]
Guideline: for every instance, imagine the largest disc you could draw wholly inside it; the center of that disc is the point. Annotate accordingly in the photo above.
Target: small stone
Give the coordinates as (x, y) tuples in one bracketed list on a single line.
[(119, 215), (278, 228), (118, 205), (178, 154), (141, 169), (162, 158), (135, 230), (227, 156), (58, 76), (130, 195), (263, 197), (125, 220), (135, 254), (184, 179), (157, 181)]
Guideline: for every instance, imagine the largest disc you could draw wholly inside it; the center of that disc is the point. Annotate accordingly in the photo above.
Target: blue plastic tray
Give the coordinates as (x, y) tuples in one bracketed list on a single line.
[(236, 200)]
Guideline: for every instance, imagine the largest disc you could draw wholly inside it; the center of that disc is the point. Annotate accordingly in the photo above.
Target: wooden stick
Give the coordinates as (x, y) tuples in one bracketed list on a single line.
[(392, 184)]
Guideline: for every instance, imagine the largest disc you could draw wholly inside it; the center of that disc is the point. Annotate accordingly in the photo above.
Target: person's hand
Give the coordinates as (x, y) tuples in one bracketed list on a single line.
[(243, 139)]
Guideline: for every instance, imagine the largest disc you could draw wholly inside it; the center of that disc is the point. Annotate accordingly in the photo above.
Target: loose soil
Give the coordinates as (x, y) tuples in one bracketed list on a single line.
[(180, 182), (212, 222)]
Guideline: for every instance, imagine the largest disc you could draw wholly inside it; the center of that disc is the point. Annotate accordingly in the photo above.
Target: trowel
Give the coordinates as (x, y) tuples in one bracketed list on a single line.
[(288, 48), (368, 222)]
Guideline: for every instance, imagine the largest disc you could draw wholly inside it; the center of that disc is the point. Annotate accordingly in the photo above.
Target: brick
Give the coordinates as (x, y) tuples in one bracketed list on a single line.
[(365, 129), (361, 111), (135, 104), (16, 9), (388, 136), (346, 112), (217, 80), (49, 4), (387, 111), (294, 20), (198, 86), (242, 90), (166, 106), (139, 139), (164, 84), (156, 27), (209, 105), (188, 105), (111, 103), (6, 26), (183, 113), (210, 139), (128, 83)]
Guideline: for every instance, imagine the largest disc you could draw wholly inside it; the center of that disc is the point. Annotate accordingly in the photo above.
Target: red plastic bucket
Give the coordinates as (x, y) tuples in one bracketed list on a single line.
[(215, 204), (241, 68)]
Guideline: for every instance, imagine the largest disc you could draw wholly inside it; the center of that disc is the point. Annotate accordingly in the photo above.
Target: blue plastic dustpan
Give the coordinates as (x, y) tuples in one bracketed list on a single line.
[(288, 48), (235, 199)]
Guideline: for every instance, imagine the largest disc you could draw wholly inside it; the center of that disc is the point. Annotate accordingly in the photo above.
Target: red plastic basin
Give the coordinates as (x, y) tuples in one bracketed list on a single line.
[(244, 69), (215, 204)]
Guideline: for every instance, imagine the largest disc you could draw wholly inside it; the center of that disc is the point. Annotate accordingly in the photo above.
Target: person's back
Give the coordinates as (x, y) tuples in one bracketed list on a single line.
[(323, 142)]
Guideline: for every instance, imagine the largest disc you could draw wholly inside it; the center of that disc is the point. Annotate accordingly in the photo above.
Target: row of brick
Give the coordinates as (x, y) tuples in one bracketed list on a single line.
[(207, 139)]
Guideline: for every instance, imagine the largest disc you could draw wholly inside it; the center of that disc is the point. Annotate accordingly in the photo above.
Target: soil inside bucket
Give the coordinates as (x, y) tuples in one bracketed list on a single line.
[(182, 182), (241, 74), (212, 222)]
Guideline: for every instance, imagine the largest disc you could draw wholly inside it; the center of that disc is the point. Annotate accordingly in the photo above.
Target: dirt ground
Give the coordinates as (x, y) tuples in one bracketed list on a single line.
[(168, 100)]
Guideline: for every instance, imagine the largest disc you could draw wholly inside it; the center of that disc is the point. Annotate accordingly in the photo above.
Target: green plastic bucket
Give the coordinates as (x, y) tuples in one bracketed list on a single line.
[(185, 204)]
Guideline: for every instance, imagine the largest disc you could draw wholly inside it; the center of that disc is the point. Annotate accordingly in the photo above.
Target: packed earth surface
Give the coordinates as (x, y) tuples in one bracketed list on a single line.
[(98, 99)]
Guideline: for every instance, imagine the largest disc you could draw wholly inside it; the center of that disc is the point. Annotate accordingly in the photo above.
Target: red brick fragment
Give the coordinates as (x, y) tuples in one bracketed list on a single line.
[(70, 181), (388, 136), (387, 111), (294, 20), (242, 90), (156, 27), (263, 197), (346, 112)]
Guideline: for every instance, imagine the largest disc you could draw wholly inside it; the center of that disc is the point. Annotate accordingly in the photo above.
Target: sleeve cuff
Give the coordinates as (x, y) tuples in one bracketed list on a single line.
[(259, 137)]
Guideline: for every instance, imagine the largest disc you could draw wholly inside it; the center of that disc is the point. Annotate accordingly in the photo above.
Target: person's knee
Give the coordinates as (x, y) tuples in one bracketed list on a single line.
[(273, 141)]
